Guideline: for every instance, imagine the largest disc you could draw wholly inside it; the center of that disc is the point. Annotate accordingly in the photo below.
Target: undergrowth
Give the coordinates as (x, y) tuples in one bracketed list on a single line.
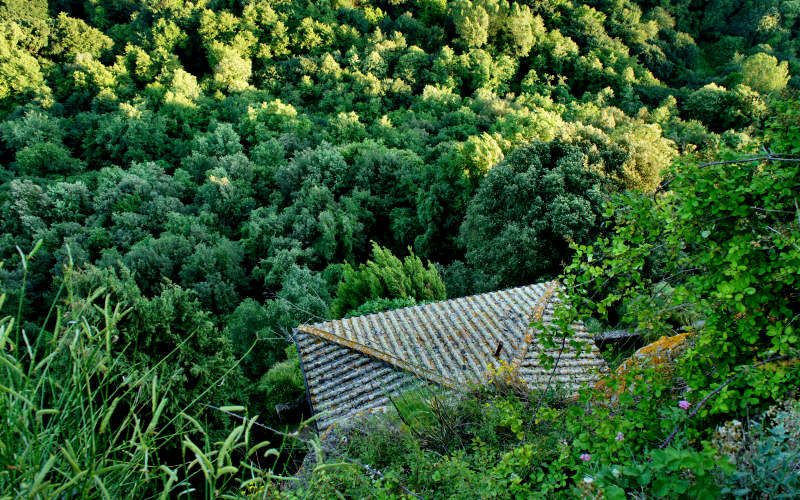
[(78, 419)]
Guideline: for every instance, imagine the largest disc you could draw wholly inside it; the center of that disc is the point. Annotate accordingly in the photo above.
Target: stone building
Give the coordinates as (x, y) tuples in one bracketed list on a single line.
[(352, 365)]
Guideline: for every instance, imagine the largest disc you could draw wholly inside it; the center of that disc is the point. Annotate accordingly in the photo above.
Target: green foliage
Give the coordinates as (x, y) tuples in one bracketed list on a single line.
[(83, 413), (44, 159), (171, 322), (211, 161), (449, 447), (386, 276), (670, 473), (283, 383), (722, 109), (783, 128), (21, 78), (497, 445), (382, 304), (530, 207), (738, 281), (16, 9), (247, 325), (766, 453), (71, 37), (763, 73)]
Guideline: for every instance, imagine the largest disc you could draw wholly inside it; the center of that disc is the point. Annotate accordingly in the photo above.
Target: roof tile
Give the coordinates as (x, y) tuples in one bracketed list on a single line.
[(353, 364)]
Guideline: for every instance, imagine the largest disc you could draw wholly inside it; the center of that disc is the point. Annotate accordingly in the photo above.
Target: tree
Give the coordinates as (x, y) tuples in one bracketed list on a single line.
[(763, 73), (251, 323), (32, 128), (71, 37), (717, 107), (21, 76), (471, 23), (231, 70), (528, 210), (46, 158), (386, 276), (648, 154), (171, 333), (20, 9), (215, 273), (476, 157)]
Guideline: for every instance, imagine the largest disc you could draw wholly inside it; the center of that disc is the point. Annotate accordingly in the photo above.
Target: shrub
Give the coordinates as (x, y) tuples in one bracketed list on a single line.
[(386, 276), (727, 240), (283, 383), (766, 453)]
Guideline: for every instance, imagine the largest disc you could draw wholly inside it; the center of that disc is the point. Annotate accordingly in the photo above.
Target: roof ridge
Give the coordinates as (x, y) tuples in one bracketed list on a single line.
[(380, 355), (550, 283), (427, 373), (537, 316)]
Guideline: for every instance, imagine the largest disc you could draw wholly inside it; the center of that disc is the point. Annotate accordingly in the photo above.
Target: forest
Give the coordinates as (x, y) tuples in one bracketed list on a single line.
[(183, 182)]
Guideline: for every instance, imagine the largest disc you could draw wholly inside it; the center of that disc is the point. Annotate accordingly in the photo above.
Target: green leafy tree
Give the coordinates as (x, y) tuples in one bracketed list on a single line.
[(171, 320), (70, 37), (232, 71), (17, 9), (648, 154), (471, 23), (32, 128), (386, 276), (215, 272), (477, 155), (249, 324), (46, 158), (21, 77), (528, 210), (763, 73), (722, 109)]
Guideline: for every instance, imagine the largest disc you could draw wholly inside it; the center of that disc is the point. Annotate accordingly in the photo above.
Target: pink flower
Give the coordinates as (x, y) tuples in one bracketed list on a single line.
[(620, 436), (684, 404), (586, 457)]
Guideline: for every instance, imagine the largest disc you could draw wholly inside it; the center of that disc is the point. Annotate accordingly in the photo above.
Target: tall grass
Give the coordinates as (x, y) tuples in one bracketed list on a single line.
[(75, 424)]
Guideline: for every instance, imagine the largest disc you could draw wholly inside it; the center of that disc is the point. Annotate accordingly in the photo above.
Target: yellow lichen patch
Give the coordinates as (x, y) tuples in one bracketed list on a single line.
[(660, 355)]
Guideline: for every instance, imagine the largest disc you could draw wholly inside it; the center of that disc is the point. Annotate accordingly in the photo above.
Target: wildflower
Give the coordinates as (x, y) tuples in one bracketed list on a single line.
[(586, 457), (684, 404), (620, 436), (588, 479)]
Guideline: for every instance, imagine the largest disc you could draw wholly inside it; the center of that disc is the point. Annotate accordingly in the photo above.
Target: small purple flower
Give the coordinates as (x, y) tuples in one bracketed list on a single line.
[(684, 404), (620, 436), (586, 457)]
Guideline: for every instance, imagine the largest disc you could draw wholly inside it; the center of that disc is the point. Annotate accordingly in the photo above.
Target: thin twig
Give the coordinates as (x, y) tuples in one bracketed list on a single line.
[(782, 235), (549, 379), (772, 210), (768, 157)]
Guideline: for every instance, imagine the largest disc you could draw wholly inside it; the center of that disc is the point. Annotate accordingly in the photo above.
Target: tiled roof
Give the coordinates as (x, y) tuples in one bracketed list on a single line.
[(352, 364)]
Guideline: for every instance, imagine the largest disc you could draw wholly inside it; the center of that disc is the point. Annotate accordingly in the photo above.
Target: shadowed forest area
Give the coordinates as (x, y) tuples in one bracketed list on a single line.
[(183, 182)]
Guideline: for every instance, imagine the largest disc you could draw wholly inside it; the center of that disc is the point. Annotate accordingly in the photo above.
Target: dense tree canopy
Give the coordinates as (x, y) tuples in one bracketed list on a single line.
[(531, 206), (238, 157)]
